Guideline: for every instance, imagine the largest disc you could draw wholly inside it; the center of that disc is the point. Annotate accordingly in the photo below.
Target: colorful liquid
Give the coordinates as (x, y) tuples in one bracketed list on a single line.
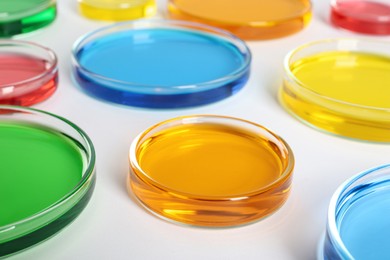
[(364, 221), (25, 80), (248, 19), (210, 161), (141, 61), (22, 16), (364, 16), (117, 10), (344, 92), (38, 167)]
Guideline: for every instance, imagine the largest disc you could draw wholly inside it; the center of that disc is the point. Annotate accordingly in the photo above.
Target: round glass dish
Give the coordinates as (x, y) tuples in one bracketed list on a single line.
[(117, 10), (211, 171), (23, 16), (28, 72), (248, 19), (341, 86), (358, 218), (363, 16), (35, 203), (161, 64)]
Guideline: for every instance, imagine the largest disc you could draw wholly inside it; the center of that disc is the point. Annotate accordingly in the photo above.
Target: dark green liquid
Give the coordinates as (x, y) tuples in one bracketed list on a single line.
[(22, 16), (38, 166)]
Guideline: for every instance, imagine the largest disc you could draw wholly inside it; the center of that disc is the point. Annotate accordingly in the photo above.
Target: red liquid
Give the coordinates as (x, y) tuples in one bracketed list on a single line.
[(362, 16), (25, 80)]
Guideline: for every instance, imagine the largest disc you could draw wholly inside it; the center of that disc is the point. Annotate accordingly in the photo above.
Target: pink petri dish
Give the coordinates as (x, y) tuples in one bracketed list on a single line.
[(28, 72), (362, 16)]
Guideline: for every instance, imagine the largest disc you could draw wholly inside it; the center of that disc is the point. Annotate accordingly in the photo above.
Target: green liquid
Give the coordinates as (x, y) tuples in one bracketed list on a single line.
[(22, 16), (38, 166)]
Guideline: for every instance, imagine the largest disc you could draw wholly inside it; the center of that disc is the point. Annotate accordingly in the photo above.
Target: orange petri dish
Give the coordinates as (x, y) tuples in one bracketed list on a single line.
[(210, 171), (248, 19)]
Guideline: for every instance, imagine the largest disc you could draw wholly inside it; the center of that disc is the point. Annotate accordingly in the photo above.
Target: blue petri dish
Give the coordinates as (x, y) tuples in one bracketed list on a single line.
[(160, 64), (359, 218)]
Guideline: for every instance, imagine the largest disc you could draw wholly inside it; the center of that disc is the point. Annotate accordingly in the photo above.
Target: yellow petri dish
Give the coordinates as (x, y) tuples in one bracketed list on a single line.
[(248, 19), (341, 86), (117, 10), (210, 171)]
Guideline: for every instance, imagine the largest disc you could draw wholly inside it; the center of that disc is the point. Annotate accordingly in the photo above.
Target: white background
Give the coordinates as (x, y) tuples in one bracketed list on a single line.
[(115, 227)]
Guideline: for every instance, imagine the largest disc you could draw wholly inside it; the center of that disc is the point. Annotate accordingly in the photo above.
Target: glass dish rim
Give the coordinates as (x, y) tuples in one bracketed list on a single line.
[(88, 173), (53, 62), (338, 197), (383, 19), (290, 76), (114, 7), (286, 173), (37, 9), (263, 23), (178, 25)]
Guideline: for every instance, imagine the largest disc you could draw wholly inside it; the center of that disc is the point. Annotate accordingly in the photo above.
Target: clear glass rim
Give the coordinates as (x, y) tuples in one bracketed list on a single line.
[(142, 175), (87, 174), (338, 197), (157, 23), (290, 75), (26, 13), (380, 19), (25, 44), (260, 23), (125, 4)]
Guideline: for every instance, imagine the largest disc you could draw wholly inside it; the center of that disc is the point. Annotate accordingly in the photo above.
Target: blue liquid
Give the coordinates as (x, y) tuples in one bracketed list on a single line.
[(143, 60), (364, 221)]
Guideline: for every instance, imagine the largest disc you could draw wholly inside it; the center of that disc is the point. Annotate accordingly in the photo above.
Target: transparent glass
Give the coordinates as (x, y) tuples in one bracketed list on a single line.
[(117, 10), (359, 206), (141, 79), (23, 16), (41, 225), (29, 73), (363, 16), (210, 171), (340, 86), (248, 19)]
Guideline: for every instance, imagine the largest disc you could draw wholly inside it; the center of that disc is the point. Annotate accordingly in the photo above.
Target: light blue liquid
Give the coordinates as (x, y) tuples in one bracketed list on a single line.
[(162, 57), (364, 221)]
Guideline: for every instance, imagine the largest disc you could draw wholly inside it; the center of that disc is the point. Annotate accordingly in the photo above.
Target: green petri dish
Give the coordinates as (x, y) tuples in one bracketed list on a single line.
[(23, 16), (47, 175)]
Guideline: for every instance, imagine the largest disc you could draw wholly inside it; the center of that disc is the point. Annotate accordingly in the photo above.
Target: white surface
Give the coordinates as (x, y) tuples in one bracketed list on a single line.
[(114, 227)]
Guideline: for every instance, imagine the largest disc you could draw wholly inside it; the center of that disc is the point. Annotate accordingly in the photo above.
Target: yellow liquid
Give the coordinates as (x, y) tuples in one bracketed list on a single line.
[(353, 93), (248, 19), (117, 10), (210, 161)]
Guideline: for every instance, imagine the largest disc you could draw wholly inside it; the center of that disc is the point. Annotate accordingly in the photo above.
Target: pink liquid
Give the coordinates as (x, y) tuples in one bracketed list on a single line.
[(362, 16), (25, 80)]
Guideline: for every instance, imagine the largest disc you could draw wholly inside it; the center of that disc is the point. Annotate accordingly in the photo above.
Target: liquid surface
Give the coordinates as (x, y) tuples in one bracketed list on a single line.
[(162, 57), (244, 11), (365, 224), (117, 10), (15, 68), (15, 7), (209, 160), (364, 16), (357, 78), (37, 168)]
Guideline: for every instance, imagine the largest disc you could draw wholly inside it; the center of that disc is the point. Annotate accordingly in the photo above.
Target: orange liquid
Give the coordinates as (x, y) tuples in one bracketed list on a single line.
[(210, 175), (248, 19)]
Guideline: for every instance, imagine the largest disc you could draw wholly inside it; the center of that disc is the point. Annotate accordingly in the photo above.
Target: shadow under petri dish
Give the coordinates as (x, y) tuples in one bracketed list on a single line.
[(161, 67), (23, 16), (248, 19)]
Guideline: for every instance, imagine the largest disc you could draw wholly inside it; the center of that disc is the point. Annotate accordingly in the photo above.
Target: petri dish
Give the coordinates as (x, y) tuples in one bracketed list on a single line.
[(210, 171), (29, 73), (362, 16), (358, 222), (248, 19), (161, 64), (117, 10), (35, 203), (23, 16), (340, 86)]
